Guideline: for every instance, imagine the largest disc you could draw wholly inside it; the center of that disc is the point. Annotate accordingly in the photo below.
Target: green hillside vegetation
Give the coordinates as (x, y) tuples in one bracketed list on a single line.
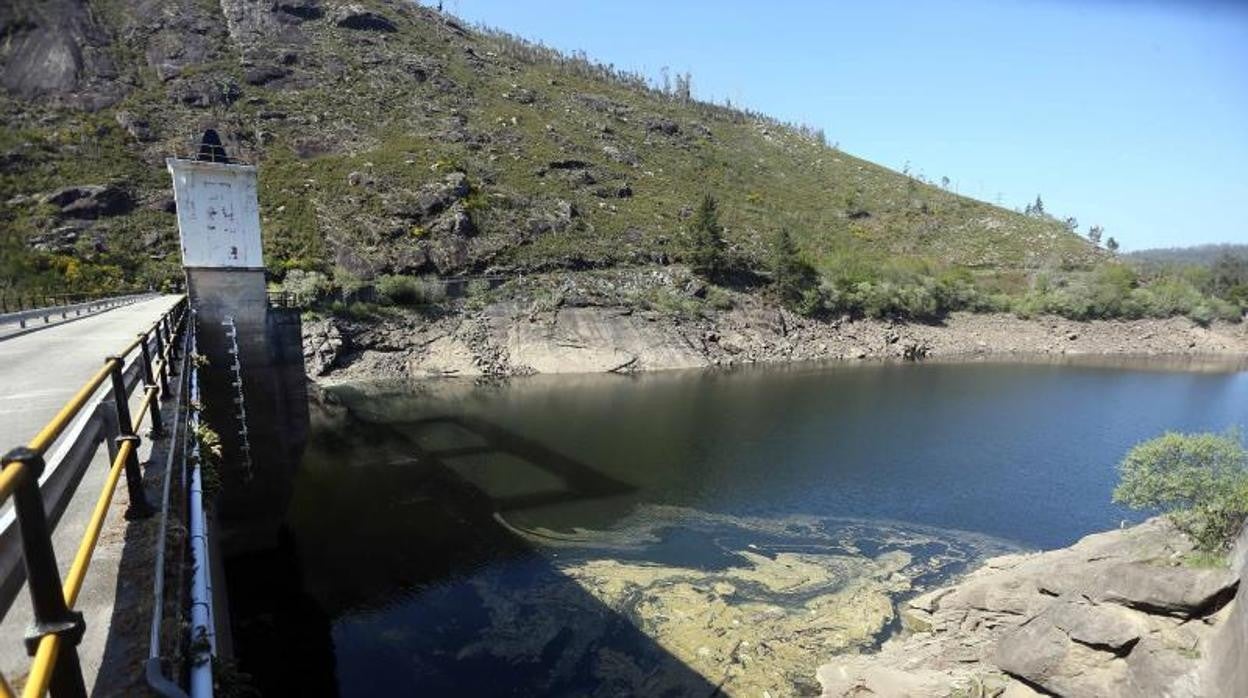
[(398, 143)]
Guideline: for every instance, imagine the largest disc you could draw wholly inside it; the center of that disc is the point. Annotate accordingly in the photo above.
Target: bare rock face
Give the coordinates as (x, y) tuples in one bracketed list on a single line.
[(431, 199), (323, 343), (358, 17), (138, 128), (298, 10), (1113, 615), (62, 240), (90, 201), (1178, 591), (455, 222), (54, 49), (263, 25), (448, 253)]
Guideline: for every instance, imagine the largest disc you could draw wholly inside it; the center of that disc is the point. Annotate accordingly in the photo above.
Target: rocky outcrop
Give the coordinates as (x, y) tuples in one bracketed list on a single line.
[(90, 201), (1225, 672), (1116, 614), (570, 333), (354, 16), (322, 346), (55, 50)]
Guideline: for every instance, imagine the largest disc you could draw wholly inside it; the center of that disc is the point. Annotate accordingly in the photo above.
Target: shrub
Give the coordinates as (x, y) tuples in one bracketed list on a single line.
[(307, 287), (397, 289), (1199, 480)]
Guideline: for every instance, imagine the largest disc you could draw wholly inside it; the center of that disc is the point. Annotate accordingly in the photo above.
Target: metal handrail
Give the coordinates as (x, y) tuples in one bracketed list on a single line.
[(57, 627), (12, 302)]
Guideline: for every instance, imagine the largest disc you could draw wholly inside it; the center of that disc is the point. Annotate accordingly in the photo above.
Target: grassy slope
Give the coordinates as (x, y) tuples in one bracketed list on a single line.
[(360, 109)]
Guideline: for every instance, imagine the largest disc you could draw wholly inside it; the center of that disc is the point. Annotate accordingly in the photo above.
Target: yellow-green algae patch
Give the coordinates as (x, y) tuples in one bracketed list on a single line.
[(757, 627), (750, 608)]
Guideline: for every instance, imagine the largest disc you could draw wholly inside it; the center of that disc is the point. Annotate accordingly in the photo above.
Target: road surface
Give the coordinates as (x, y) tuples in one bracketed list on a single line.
[(41, 370)]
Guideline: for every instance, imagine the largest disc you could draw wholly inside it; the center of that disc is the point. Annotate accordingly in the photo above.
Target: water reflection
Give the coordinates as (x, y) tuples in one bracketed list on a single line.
[(600, 535)]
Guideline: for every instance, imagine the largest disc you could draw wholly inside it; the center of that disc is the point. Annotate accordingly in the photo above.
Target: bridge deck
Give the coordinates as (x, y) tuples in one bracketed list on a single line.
[(39, 372)]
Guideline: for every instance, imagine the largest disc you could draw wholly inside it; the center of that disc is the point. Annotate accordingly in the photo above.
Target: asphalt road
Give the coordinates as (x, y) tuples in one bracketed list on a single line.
[(40, 370)]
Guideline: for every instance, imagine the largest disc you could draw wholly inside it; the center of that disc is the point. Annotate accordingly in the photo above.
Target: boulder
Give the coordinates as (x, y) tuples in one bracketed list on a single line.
[(264, 74), (432, 199), (358, 17), (456, 222), (929, 601), (619, 155), (60, 241), (664, 125), (298, 10), (1109, 628), (90, 200), (1179, 591), (1040, 654), (202, 91), (448, 254), (138, 128), (323, 343)]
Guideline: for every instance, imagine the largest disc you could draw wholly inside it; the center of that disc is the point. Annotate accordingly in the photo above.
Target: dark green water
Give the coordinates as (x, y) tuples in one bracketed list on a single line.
[(419, 506)]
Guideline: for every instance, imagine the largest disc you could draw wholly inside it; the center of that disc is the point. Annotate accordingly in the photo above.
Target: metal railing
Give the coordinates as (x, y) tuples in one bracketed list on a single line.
[(14, 301), (48, 312), (57, 628)]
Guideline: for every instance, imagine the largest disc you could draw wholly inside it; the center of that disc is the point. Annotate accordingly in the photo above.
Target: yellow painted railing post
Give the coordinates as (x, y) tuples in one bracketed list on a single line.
[(58, 629), (139, 507), (52, 616)]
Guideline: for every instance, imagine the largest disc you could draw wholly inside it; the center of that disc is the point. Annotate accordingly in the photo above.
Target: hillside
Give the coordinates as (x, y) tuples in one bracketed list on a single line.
[(1198, 255), (392, 139)]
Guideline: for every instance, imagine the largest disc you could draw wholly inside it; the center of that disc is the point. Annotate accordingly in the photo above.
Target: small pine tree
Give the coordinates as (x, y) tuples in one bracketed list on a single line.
[(1036, 209), (706, 240), (792, 277), (1111, 245), (1094, 235)]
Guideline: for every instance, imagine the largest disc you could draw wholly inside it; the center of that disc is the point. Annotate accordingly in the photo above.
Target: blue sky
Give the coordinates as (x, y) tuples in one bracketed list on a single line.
[(1128, 113)]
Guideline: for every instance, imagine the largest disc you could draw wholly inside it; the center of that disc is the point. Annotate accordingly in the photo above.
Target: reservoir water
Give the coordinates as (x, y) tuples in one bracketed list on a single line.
[(677, 533)]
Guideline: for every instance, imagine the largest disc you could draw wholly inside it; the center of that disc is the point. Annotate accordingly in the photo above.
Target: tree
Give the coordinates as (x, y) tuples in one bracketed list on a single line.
[(706, 239), (1036, 209), (792, 277), (1230, 273), (1071, 223), (684, 86), (1111, 245), (1199, 480), (1094, 235)]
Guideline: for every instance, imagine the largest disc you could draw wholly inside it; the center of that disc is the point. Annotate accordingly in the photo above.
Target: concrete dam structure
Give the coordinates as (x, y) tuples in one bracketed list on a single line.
[(255, 394)]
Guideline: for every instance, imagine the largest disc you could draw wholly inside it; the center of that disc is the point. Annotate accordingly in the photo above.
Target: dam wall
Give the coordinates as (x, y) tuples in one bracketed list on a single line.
[(255, 398)]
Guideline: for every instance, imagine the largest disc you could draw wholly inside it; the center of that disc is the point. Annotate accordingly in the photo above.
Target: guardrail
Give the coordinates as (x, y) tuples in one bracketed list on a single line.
[(58, 628), (14, 301), (46, 313)]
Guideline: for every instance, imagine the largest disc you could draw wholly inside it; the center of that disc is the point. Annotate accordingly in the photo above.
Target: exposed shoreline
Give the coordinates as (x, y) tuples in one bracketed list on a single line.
[(507, 339), (1116, 614)]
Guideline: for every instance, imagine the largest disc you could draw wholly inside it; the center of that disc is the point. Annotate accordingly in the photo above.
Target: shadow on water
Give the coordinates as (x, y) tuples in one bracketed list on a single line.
[(401, 594)]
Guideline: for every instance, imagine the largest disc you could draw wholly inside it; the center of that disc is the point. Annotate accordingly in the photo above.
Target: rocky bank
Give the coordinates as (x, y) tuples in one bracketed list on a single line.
[(1116, 614), (516, 338)]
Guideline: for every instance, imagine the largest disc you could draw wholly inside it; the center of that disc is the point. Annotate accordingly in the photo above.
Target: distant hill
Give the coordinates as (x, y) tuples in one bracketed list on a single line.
[(393, 139), (1199, 255)]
